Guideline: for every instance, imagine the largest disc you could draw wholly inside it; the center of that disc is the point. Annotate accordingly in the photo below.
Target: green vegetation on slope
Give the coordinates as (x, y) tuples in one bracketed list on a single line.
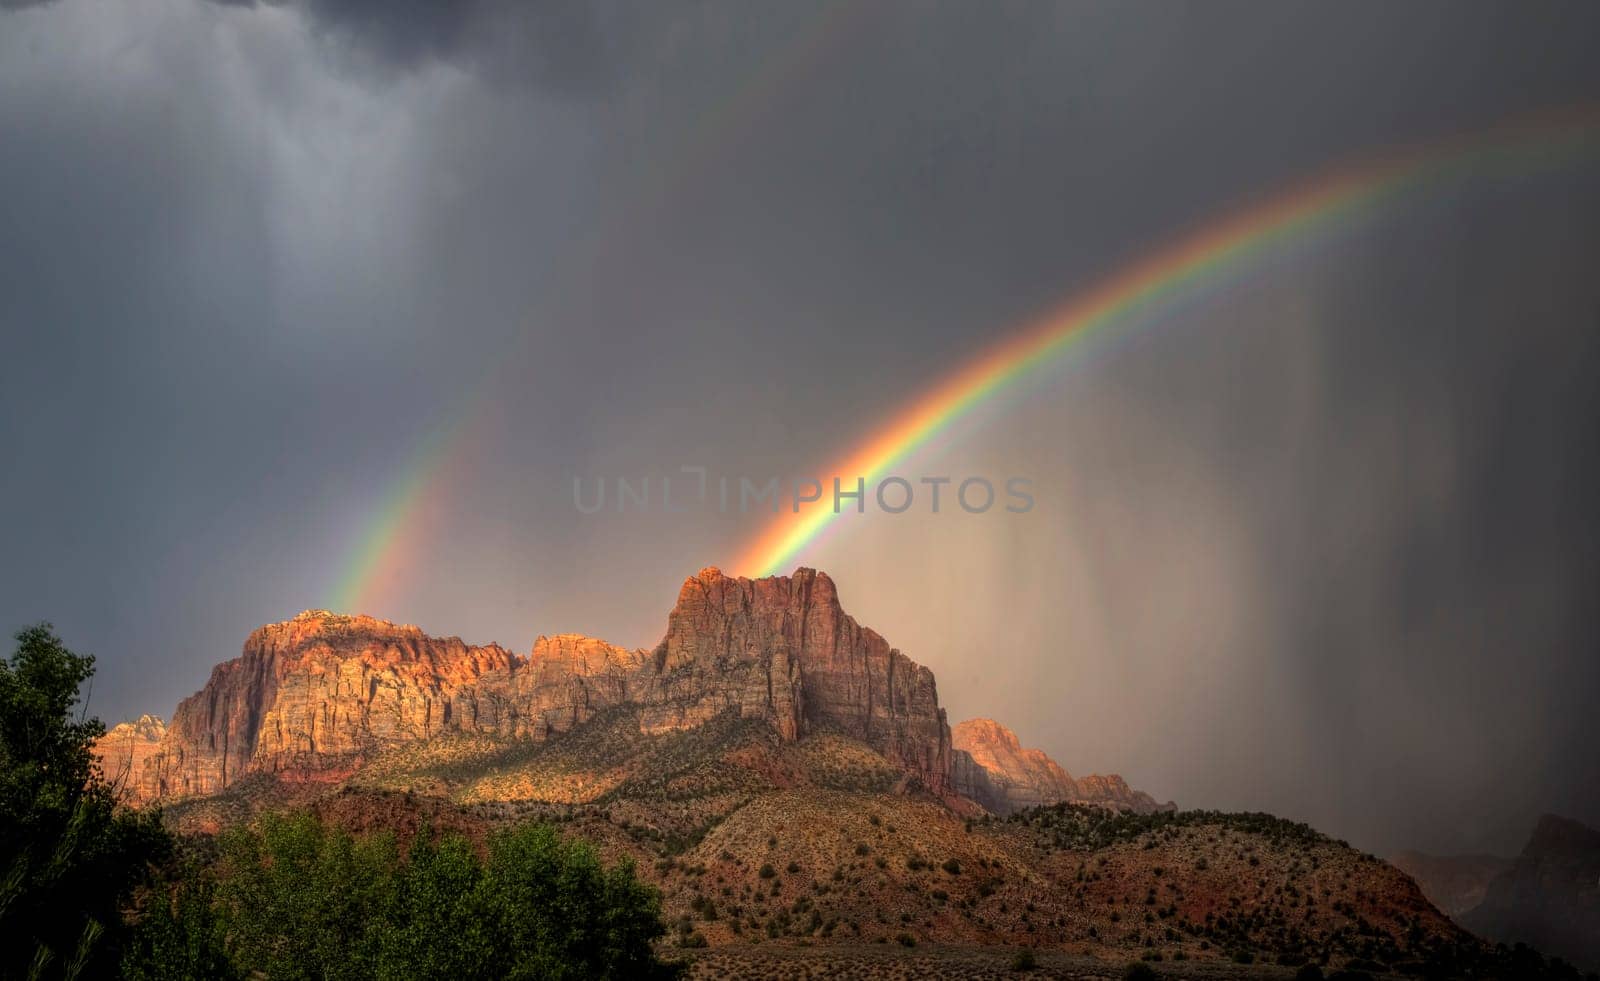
[(1082, 827), (293, 898), (88, 889)]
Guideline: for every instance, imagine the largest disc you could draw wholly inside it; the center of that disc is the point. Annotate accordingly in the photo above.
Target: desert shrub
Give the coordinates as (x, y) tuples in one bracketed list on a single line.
[(767, 871), (1024, 960), (1140, 971), (952, 866), (905, 940)]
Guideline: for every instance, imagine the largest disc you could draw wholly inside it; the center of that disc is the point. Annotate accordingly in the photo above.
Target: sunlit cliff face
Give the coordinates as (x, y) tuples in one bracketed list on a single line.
[(1285, 591), (1317, 541)]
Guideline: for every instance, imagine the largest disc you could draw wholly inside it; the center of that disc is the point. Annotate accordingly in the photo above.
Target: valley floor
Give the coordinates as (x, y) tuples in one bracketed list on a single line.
[(874, 962)]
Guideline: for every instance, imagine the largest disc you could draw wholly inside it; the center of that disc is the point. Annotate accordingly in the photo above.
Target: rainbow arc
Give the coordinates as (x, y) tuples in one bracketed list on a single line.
[(1215, 252)]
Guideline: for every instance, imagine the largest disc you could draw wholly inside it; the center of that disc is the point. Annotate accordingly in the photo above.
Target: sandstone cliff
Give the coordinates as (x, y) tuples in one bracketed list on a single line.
[(126, 747), (821, 668), (307, 692), (993, 768), (309, 697)]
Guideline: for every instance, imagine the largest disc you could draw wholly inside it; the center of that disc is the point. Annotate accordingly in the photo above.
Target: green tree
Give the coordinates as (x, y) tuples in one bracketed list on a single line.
[(69, 857), (442, 923), (180, 936), (566, 915), (298, 900)]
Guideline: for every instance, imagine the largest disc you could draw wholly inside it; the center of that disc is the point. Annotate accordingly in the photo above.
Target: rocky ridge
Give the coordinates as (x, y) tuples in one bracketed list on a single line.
[(1454, 883), (309, 700), (127, 746), (994, 769), (1550, 896)]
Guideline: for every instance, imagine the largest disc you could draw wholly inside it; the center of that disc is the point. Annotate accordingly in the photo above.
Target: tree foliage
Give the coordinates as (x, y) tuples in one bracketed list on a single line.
[(69, 857), (293, 898)]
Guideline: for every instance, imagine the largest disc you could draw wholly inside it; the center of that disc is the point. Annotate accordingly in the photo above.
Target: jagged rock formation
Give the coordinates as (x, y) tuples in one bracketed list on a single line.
[(309, 697), (1454, 883), (1550, 898), (308, 692), (125, 748), (819, 667), (992, 767)]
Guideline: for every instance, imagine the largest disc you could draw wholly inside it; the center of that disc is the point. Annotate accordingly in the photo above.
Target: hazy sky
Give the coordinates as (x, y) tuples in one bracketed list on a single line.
[(1322, 541)]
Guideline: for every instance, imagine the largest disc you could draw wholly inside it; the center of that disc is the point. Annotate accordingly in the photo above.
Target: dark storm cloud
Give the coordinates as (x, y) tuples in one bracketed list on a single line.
[(1349, 502), (555, 43)]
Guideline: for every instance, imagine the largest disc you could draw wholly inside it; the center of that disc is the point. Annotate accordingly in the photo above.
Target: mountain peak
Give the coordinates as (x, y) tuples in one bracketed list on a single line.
[(1556, 834), (983, 731), (319, 693), (994, 768)]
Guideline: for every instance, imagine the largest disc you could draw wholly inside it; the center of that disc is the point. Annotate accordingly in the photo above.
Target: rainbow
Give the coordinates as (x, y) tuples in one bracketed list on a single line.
[(1214, 252), (393, 539), (394, 533)]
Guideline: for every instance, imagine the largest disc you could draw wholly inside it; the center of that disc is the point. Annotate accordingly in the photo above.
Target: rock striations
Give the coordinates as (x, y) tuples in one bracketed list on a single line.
[(310, 698), (125, 748)]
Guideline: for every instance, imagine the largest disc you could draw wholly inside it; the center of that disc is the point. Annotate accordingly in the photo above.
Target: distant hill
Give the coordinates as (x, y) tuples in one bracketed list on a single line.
[(1550, 897), (1454, 883)]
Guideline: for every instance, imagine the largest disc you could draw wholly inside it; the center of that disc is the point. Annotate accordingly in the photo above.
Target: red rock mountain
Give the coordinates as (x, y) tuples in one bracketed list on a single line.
[(993, 768), (310, 698), (124, 749)]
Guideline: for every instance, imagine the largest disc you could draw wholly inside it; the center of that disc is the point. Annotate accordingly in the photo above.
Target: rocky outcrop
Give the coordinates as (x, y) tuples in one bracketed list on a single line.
[(311, 690), (1550, 897), (124, 752), (1011, 777), (310, 696), (993, 768), (1454, 883), (820, 668)]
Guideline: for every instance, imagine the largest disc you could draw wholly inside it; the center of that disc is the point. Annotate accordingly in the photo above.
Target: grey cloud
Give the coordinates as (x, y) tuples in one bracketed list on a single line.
[(1351, 503), (553, 43)]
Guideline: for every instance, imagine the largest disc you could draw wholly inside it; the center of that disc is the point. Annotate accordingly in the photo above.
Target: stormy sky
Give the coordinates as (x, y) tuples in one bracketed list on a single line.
[(1320, 540)]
